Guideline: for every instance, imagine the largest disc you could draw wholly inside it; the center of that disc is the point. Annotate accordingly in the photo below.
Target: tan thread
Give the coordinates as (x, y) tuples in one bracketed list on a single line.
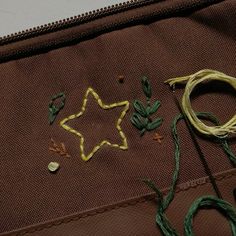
[(147, 198), (59, 148), (158, 137), (191, 82), (124, 144)]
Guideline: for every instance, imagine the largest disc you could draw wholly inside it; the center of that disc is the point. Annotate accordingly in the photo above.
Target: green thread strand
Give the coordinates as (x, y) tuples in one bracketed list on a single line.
[(210, 201), (163, 203)]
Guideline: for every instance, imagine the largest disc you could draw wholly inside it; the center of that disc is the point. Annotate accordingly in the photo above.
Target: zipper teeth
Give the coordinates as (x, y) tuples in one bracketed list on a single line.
[(71, 21)]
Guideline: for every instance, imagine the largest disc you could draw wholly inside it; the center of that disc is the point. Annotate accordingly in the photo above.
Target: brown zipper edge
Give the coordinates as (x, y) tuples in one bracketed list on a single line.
[(192, 184), (162, 10), (74, 20)]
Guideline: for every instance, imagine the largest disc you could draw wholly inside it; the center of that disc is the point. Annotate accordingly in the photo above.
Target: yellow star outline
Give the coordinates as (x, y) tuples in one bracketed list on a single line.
[(124, 144)]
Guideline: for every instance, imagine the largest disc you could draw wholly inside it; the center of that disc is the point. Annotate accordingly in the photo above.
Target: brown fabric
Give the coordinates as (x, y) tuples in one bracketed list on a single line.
[(178, 44), (135, 216)]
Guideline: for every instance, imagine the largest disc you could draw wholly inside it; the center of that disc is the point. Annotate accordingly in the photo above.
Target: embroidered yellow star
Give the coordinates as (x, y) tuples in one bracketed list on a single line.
[(122, 146)]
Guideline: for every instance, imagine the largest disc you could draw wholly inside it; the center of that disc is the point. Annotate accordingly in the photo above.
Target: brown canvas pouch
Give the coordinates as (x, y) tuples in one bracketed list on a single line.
[(110, 52)]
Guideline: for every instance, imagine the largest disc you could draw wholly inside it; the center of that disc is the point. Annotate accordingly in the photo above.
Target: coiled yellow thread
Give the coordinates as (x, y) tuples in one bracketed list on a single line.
[(191, 82), (122, 146)]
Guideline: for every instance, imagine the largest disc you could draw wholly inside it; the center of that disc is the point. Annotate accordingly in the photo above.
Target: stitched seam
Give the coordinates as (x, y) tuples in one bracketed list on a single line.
[(147, 198)]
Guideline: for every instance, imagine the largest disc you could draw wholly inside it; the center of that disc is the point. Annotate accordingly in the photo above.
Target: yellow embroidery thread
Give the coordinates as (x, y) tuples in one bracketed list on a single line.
[(124, 144), (191, 82)]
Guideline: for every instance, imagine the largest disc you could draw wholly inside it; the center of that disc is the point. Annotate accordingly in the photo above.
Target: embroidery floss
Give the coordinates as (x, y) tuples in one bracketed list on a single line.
[(53, 109), (163, 202), (59, 148), (158, 138), (192, 81), (122, 146), (210, 202), (223, 142), (141, 118)]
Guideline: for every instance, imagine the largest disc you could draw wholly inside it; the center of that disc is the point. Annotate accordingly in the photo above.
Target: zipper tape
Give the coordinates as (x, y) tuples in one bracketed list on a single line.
[(72, 34), (75, 20)]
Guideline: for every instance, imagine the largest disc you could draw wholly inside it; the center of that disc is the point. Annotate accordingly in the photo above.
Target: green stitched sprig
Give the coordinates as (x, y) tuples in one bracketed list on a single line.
[(141, 118)]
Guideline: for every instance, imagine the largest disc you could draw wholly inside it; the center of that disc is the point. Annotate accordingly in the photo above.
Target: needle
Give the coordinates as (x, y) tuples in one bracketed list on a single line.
[(200, 153)]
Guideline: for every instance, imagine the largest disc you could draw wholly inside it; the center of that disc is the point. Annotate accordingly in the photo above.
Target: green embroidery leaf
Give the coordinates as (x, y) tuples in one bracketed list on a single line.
[(136, 120), (139, 107), (154, 124), (59, 95), (154, 107), (55, 109), (145, 122), (52, 114), (142, 132), (146, 87), (52, 117)]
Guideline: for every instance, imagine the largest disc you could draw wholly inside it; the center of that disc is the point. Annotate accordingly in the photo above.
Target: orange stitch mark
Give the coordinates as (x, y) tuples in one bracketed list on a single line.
[(59, 148), (158, 138)]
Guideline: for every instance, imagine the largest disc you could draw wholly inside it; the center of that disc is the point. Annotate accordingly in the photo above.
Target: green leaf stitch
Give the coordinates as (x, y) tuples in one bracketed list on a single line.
[(142, 131), (136, 120), (146, 87), (53, 109), (139, 107), (141, 118), (154, 124), (153, 109)]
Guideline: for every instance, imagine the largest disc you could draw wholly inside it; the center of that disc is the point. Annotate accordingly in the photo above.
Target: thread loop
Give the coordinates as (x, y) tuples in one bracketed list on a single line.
[(191, 82)]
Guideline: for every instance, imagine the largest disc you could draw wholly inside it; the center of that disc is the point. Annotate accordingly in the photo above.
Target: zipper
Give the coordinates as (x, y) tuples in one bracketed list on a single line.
[(81, 19), (75, 20), (12, 52)]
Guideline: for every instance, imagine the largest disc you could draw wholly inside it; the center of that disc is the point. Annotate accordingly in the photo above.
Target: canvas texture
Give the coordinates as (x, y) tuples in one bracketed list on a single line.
[(105, 195)]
